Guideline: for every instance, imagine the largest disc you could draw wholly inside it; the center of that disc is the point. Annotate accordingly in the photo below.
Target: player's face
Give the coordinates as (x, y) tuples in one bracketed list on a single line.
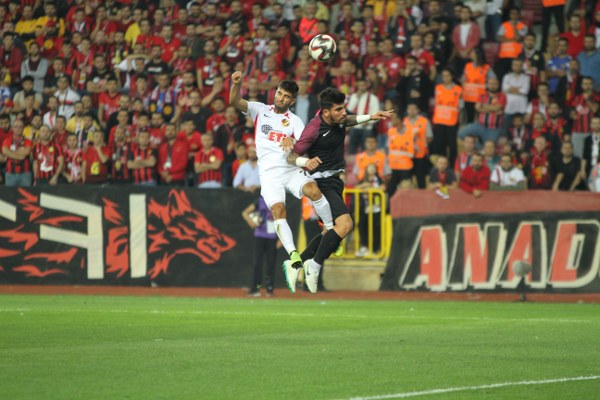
[(337, 113), (283, 100)]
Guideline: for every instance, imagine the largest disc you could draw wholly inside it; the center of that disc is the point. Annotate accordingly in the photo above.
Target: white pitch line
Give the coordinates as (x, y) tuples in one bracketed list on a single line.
[(478, 387), (300, 315)]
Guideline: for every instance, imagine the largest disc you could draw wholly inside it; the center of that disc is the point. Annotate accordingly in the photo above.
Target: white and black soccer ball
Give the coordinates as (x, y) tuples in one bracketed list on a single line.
[(322, 48)]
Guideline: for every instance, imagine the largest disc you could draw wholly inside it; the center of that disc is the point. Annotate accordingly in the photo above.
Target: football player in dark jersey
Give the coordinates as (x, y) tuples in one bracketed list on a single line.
[(322, 141)]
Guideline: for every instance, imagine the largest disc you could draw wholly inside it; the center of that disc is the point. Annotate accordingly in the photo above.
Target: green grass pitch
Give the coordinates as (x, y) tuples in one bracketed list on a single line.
[(79, 347)]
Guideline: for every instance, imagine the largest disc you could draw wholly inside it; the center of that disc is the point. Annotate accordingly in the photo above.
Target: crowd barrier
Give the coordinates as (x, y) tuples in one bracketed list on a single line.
[(465, 243), (368, 207)]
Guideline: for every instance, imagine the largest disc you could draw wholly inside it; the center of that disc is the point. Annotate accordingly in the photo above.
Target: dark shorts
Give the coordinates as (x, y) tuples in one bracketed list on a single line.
[(333, 189)]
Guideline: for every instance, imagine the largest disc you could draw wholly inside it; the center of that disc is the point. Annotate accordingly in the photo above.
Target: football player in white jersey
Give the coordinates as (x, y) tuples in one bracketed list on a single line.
[(273, 123)]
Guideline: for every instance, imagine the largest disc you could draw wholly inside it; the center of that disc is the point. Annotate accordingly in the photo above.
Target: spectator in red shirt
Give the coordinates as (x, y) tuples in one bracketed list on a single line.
[(59, 132), (584, 106), (81, 23), (218, 115), (393, 63), (120, 150), (173, 157), (4, 131), (142, 162), (48, 160), (424, 58), (95, 160), (16, 149), (538, 166), (373, 28), (146, 38), (11, 57), (575, 36), (180, 24), (491, 111), (464, 159), (73, 155), (194, 139), (230, 48), (207, 67), (476, 177), (556, 123), (307, 27), (207, 164), (347, 79), (157, 130), (108, 102), (168, 43), (104, 24)]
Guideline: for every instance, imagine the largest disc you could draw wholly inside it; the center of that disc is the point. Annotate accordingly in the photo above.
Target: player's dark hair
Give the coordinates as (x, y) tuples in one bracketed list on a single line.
[(330, 96), (289, 86)]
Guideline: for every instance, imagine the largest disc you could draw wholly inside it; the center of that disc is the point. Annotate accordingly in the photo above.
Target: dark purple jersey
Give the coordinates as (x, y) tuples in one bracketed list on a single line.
[(325, 141)]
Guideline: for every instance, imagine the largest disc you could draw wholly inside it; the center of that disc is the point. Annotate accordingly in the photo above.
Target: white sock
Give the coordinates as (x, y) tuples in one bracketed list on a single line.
[(323, 210), (285, 235), (315, 265)]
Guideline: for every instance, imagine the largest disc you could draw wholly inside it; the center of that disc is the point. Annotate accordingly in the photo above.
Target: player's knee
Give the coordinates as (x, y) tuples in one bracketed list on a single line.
[(278, 211), (311, 190)]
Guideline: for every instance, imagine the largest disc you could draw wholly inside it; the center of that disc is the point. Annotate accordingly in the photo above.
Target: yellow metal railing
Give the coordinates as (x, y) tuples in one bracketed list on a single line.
[(369, 200)]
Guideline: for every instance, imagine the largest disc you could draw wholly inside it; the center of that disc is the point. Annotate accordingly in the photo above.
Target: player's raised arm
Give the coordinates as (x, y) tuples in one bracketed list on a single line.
[(352, 120), (235, 96)]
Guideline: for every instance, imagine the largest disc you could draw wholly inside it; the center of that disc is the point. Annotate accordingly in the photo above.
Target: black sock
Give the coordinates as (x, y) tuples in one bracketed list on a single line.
[(312, 247), (329, 244)]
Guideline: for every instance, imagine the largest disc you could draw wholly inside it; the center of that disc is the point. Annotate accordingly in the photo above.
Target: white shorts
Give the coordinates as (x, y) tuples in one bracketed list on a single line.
[(275, 182)]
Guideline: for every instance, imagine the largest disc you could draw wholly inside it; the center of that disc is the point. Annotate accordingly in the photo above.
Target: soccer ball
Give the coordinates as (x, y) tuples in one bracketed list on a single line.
[(322, 48)]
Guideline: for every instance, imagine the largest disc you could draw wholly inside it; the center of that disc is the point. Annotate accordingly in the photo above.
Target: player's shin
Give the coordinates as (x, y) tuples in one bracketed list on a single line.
[(330, 242), (284, 233), (323, 210)]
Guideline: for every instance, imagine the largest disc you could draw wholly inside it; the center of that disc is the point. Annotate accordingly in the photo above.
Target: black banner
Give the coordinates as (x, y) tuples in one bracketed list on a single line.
[(125, 235), (477, 252)]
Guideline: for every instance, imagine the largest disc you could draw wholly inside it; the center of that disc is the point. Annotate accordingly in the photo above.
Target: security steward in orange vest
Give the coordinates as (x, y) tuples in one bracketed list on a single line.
[(550, 8), (474, 79), (421, 129), (510, 36), (401, 152), (445, 117)]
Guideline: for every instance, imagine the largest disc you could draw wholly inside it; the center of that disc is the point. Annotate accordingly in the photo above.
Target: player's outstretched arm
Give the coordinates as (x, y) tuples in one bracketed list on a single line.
[(235, 96), (352, 120)]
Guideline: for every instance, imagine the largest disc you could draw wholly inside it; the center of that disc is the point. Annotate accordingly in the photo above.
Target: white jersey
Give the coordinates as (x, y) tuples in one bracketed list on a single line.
[(507, 178), (270, 129)]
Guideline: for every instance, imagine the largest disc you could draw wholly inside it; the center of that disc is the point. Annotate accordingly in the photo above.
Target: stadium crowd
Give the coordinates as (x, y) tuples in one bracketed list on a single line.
[(126, 91)]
